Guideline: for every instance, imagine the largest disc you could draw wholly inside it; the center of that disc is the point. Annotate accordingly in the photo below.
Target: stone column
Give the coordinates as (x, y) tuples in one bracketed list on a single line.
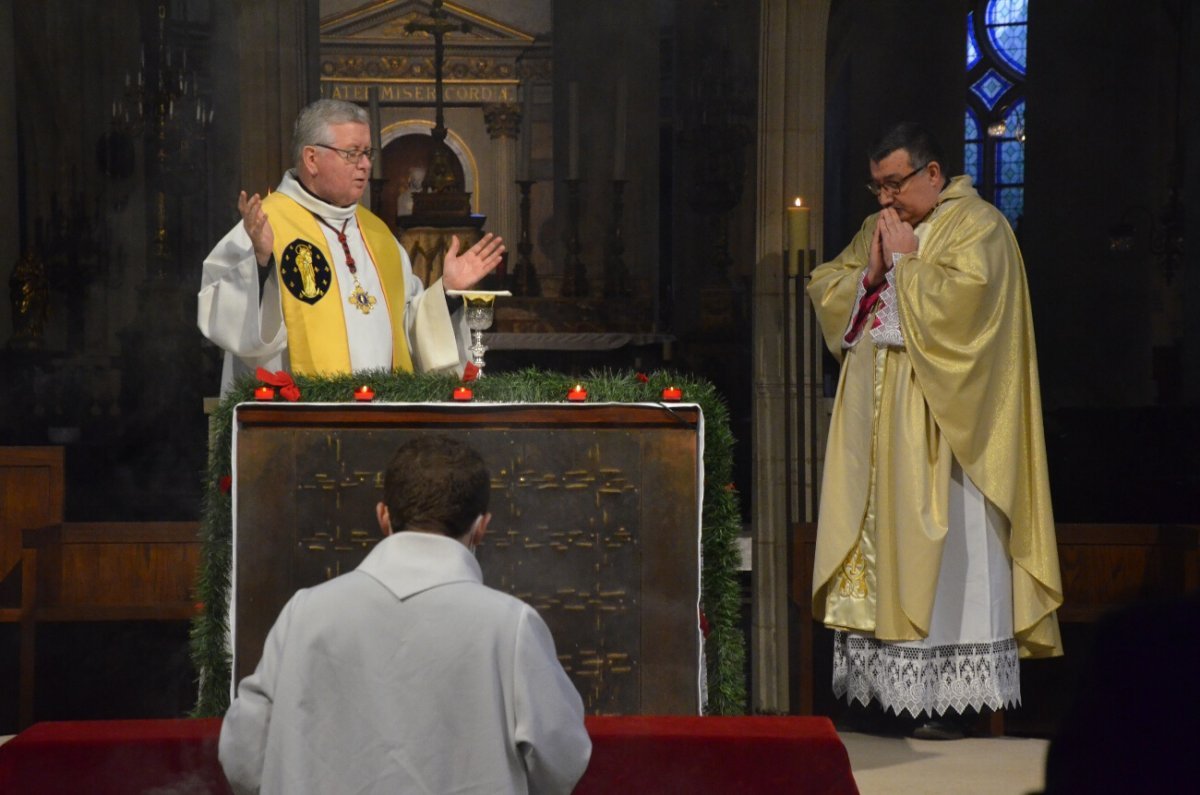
[(273, 73), (790, 163), (503, 121)]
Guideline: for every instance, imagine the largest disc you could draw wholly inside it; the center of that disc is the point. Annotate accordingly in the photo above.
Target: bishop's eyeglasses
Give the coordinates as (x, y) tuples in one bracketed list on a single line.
[(893, 187), (351, 156)]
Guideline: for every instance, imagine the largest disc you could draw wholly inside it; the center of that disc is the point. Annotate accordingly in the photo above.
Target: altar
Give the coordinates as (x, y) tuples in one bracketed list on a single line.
[(596, 524)]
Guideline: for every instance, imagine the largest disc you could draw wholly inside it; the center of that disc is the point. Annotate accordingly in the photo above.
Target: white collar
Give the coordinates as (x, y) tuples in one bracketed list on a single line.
[(290, 186), (409, 562)]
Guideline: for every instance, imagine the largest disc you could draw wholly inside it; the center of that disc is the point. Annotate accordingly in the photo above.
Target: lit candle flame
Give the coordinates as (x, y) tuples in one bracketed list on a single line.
[(798, 202)]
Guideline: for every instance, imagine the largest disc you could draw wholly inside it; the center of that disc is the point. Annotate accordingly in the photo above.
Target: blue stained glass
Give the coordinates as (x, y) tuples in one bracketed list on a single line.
[(1007, 12), (970, 127), (973, 161), (972, 148), (1010, 163), (1007, 27), (990, 88), (972, 48), (1014, 121), (1011, 202)]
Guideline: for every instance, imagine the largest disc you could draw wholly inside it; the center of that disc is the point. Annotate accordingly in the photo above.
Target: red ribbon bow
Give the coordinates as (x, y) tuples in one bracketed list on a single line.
[(287, 387), (645, 379), (470, 372)]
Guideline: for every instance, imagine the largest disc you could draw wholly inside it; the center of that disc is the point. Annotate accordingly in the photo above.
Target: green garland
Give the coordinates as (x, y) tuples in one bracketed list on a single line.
[(726, 646)]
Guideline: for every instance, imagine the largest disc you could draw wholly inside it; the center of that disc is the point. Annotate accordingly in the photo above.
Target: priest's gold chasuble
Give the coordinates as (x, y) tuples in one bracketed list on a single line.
[(963, 386)]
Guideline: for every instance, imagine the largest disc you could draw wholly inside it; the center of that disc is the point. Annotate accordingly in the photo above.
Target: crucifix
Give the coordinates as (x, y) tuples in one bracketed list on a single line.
[(438, 27)]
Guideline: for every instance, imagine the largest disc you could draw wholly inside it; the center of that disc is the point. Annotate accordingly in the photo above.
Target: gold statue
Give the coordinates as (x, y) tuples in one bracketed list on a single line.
[(30, 298)]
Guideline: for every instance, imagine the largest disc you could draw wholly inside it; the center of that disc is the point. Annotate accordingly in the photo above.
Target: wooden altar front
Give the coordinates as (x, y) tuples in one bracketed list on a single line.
[(596, 524)]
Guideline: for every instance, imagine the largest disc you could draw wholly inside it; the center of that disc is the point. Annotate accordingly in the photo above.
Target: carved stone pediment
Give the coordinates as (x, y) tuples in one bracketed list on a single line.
[(386, 22), (371, 44)]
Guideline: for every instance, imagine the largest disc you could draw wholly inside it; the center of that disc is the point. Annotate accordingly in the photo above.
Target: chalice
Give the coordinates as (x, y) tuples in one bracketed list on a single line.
[(480, 308)]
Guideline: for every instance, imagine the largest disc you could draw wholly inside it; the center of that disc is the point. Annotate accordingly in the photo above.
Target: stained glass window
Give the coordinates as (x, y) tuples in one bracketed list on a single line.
[(990, 88), (1007, 23), (994, 123), (973, 149)]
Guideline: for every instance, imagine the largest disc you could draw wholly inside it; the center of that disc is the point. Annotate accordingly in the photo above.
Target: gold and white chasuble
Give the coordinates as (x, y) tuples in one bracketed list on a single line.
[(936, 444)]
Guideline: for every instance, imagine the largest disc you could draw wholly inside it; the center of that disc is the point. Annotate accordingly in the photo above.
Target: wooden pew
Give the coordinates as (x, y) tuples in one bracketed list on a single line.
[(102, 571)]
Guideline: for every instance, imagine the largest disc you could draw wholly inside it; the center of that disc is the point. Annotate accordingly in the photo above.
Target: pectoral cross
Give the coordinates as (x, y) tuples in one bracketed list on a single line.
[(438, 27)]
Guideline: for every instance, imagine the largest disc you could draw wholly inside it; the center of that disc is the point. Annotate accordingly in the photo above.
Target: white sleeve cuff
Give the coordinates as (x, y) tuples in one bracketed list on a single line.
[(888, 331)]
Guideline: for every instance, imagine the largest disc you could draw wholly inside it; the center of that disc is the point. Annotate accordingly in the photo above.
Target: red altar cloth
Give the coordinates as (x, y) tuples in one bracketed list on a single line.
[(114, 757), (639, 754), (698, 756)]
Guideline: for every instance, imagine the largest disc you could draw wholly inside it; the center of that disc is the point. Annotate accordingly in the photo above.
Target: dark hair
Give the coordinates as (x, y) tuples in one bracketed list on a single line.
[(435, 484), (920, 144)]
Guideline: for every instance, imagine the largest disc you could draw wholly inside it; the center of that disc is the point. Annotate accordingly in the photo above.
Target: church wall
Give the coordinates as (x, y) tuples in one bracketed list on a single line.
[(886, 62), (1189, 283), (9, 184), (120, 364), (1101, 100), (596, 45)]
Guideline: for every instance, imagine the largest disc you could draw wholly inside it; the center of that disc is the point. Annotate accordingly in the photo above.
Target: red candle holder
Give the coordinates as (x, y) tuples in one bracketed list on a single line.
[(672, 394), (577, 394), (264, 393), (463, 393), (364, 393)]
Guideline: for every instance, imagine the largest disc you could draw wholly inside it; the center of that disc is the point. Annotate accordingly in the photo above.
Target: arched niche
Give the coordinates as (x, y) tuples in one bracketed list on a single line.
[(406, 146)]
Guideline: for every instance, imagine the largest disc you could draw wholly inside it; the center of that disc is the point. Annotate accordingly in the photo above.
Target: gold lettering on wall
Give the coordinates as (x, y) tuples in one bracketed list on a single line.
[(423, 93)]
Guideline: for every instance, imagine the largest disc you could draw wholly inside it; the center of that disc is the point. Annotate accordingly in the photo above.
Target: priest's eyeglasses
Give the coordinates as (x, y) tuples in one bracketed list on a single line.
[(893, 187), (351, 156)]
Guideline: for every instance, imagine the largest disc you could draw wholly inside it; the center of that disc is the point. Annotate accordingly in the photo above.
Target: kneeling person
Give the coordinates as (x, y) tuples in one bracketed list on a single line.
[(408, 674)]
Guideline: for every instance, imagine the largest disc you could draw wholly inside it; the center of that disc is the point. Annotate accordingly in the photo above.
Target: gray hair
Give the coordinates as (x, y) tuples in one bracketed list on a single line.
[(313, 123)]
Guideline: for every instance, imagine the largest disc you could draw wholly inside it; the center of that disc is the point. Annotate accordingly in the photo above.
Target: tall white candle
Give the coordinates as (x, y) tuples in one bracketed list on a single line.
[(619, 141), (573, 131)]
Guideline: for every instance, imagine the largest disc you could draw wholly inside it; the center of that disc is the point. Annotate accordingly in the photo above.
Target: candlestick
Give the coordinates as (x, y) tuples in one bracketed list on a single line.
[(376, 134), (798, 229), (264, 393), (524, 279), (525, 158), (619, 145), (364, 393), (672, 394), (463, 393), (577, 394), (574, 281), (573, 130), (616, 275)]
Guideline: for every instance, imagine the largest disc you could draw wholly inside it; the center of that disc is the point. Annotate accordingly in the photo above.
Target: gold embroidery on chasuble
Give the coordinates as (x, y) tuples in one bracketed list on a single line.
[(305, 272), (851, 602)]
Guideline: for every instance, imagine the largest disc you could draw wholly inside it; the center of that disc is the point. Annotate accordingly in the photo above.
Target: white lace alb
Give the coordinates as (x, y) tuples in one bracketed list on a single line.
[(888, 333), (926, 680)]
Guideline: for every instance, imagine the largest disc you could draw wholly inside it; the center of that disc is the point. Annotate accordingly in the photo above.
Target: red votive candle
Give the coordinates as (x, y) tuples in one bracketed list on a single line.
[(672, 394), (364, 393), (577, 394), (264, 393), (463, 393)]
